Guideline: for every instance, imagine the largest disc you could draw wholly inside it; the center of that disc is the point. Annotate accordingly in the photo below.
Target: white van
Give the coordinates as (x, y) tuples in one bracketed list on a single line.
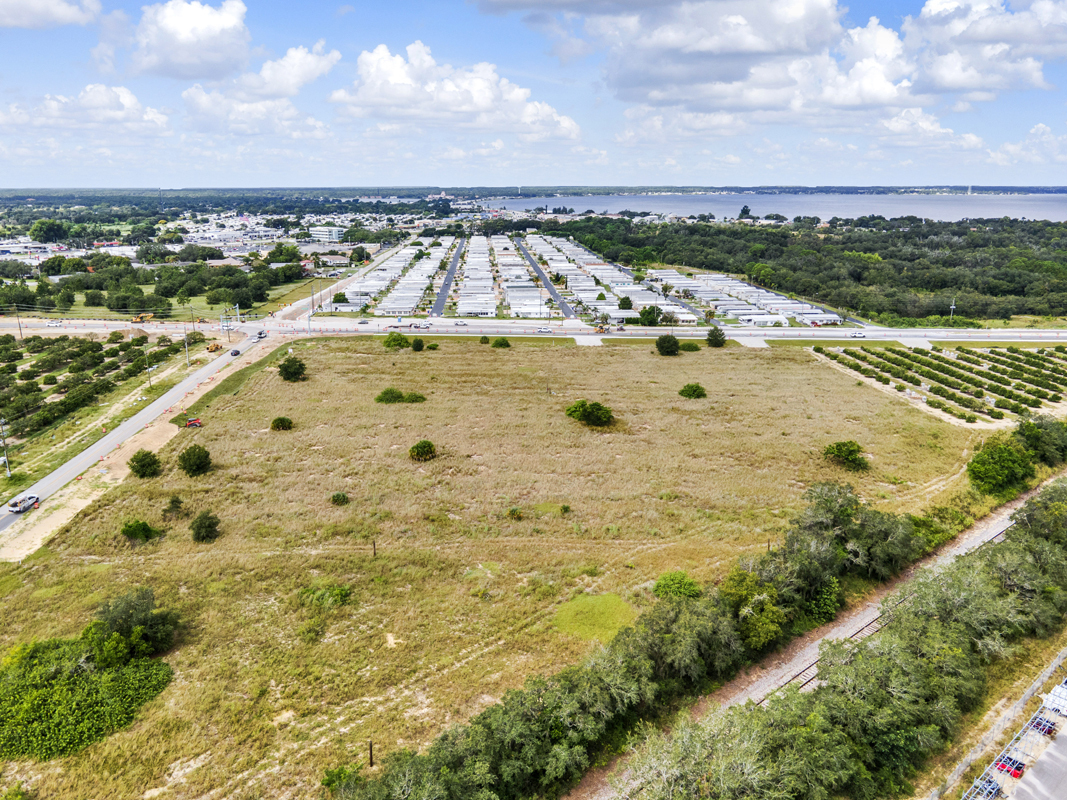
[(22, 502)]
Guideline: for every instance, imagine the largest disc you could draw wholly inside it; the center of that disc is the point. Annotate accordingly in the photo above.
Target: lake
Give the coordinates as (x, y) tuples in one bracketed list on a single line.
[(942, 207)]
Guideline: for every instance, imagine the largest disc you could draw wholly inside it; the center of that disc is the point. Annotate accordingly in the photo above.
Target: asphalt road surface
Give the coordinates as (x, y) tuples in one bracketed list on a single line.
[(60, 477), (1047, 778), (560, 302), (438, 309)]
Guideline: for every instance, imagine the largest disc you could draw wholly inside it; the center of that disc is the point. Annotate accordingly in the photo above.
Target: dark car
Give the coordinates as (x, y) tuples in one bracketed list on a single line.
[(1012, 766), (235, 352), (1043, 725)]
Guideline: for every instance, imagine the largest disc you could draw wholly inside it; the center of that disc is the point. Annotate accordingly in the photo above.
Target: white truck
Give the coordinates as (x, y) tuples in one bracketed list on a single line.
[(22, 503)]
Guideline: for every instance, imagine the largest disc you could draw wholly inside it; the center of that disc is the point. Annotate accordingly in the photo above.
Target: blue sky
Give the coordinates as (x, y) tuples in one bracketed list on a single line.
[(185, 93)]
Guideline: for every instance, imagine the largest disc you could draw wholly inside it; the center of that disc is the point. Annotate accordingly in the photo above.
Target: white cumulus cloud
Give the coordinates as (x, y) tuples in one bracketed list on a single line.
[(914, 127), (286, 76), (420, 90), (1041, 146), (192, 40), (47, 13), (112, 110)]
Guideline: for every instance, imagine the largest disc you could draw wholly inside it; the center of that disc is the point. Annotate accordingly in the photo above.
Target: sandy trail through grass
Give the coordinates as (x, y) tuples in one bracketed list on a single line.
[(268, 693)]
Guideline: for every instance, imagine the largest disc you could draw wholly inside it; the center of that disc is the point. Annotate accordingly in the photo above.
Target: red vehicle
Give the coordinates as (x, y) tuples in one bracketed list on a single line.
[(1012, 766), (193, 423), (1043, 725)]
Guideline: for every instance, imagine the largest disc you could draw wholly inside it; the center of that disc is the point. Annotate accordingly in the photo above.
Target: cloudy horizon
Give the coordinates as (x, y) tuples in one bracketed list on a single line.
[(558, 92)]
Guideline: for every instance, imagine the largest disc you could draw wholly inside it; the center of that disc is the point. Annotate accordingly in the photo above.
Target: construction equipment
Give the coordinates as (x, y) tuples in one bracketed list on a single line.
[(142, 318), (601, 329), (214, 347), (201, 319), (193, 423)]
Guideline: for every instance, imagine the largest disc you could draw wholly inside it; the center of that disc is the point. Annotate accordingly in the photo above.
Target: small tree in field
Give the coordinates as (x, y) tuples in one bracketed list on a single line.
[(423, 451), (417, 345), (693, 391), (396, 341), (675, 584), (145, 464), (668, 345), (205, 527), (194, 460), (593, 414), (281, 424), (846, 454), (716, 338), (292, 370), (500, 341)]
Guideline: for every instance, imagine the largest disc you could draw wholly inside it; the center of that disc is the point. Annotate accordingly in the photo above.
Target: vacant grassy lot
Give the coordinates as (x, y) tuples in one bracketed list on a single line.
[(477, 552)]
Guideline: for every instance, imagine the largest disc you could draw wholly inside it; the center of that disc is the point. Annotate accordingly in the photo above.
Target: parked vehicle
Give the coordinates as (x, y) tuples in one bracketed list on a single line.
[(214, 347), (1043, 725), (22, 503), (1012, 766)]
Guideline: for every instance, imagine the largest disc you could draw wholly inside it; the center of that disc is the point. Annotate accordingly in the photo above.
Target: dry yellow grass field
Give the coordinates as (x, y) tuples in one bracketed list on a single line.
[(461, 600)]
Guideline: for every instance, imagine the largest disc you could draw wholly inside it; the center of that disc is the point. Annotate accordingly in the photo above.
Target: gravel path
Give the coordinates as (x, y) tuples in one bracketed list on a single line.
[(778, 669)]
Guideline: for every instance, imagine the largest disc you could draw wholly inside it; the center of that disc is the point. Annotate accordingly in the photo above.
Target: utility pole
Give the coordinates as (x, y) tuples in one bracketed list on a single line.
[(186, 339), (17, 317), (3, 436), (952, 310)]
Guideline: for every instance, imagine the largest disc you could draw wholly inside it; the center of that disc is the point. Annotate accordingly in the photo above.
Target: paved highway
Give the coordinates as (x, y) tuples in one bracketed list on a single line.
[(57, 479), (438, 309)]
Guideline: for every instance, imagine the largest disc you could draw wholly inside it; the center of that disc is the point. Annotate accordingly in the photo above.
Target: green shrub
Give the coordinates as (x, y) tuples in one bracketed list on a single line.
[(716, 338), (140, 530), (501, 341), (339, 499), (483, 340), (16, 792), (1002, 463), (292, 370), (693, 391), (432, 346), (423, 451), (205, 527), (417, 345), (329, 596), (347, 777), (145, 464), (515, 513), (414, 397), (49, 380), (194, 460), (846, 454), (173, 508), (116, 336), (668, 345), (390, 395), (593, 414), (396, 341), (689, 347), (281, 424), (676, 584)]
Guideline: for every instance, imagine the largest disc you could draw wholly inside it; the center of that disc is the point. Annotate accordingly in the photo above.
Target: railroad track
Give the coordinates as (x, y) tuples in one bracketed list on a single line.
[(810, 673)]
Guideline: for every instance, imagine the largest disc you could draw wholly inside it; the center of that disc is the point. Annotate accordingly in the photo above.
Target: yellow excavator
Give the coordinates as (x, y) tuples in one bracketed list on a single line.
[(142, 318)]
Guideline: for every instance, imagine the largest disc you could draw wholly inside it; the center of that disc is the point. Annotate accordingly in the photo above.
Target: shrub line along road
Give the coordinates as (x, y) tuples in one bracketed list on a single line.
[(438, 309)]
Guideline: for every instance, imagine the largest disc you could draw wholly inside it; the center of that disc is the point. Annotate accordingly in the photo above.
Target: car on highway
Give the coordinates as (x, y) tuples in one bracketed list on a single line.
[(858, 335), (544, 330), (22, 503), (460, 324), (1012, 766), (53, 323), (363, 322), (235, 352)]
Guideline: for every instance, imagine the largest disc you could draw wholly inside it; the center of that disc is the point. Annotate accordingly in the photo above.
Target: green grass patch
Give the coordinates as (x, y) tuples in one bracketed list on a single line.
[(597, 617), (231, 384)]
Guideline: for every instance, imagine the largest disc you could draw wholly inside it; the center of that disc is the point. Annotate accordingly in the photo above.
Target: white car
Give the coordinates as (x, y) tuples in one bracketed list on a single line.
[(53, 323), (22, 502), (544, 330), (460, 324), (858, 335)]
